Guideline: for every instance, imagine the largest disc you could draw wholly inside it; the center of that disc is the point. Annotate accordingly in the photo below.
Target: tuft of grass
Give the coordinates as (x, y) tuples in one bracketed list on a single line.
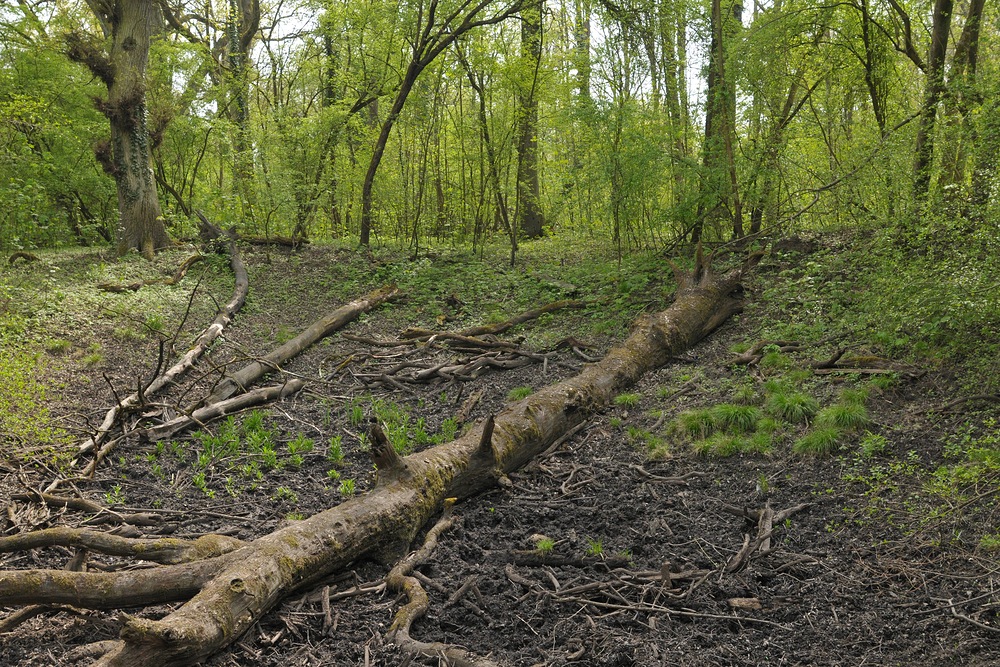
[(761, 442), (859, 396), (627, 400), (768, 425), (719, 445), (775, 360), (746, 395), (696, 423), (594, 547), (792, 406), (885, 382), (735, 418), (545, 545), (821, 441), (846, 416), (347, 488), (58, 346), (92, 359), (519, 393)]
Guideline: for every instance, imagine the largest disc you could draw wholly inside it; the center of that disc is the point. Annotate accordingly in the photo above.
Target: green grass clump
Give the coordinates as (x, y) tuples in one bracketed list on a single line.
[(696, 423), (775, 360), (859, 396), (768, 425), (627, 400), (792, 406), (846, 416), (761, 442), (818, 442), (719, 445), (735, 418), (746, 395), (519, 393)]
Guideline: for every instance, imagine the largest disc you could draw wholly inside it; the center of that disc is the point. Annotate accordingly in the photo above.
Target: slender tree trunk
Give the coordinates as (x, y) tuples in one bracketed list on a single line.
[(529, 211), (933, 89), (719, 190), (581, 49), (964, 95)]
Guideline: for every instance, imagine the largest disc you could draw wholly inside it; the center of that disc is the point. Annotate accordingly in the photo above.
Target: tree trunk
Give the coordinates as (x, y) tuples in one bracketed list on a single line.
[(231, 591), (719, 191), (242, 23), (529, 210), (140, 225), (933, 89)]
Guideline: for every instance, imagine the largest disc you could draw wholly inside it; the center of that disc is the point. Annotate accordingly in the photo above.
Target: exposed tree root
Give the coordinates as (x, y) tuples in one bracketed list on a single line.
[(26, 256), (228, 593), (165, 550), (400, 579)]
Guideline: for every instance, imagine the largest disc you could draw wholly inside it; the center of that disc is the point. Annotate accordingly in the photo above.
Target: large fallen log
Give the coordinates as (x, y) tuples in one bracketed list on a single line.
[(231, 591)]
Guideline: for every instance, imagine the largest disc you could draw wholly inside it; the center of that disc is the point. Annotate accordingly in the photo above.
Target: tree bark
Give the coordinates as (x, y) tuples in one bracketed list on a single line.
[(719, 189), (128, 159), (233, 590), (933, 89), (529, 207)]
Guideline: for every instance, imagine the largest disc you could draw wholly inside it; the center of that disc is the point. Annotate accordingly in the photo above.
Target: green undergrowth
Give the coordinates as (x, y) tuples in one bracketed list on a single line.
[(453, 289), (26, 422), (762, 416)]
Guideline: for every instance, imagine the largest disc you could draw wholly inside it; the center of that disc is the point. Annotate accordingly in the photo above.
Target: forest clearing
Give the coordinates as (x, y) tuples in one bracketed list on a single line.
[(498, 333)]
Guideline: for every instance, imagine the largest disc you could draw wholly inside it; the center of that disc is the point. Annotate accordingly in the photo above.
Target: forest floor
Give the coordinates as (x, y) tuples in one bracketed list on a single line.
[(889, 559)]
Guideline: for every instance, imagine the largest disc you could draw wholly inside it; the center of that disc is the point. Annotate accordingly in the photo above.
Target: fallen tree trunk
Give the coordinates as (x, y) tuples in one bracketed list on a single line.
[(235, 589)]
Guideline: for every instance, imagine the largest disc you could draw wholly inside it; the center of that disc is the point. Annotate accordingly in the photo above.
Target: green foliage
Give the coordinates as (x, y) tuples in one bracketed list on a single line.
[(335, 450), (594, 547), (24, 413), (519, 393), (627, 400), (347, 488), (116, 496), (872, 444)]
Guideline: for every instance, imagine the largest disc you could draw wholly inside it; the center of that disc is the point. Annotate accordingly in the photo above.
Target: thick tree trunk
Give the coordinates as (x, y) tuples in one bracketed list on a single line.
[(140, 225), (234, 589)]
